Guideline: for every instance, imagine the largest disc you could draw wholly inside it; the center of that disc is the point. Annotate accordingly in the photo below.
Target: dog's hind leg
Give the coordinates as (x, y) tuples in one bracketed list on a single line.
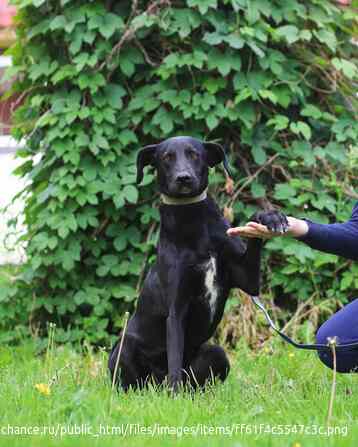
[(210, 363), (129, 373)]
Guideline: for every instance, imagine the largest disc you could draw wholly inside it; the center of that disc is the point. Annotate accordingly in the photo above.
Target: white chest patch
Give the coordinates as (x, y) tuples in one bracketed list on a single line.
[(210, 283)]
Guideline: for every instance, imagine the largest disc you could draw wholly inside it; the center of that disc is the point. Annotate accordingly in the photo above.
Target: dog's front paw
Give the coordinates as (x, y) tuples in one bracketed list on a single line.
[(175, 383), (274, 220)]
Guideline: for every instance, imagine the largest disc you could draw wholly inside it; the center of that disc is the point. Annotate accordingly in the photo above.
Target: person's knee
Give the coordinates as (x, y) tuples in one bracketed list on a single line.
[(346, 361), (341, 325), (323, 335)]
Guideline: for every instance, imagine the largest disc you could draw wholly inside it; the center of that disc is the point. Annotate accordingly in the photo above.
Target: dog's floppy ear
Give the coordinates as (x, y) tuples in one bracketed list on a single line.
[(216, 155), (145, 157)]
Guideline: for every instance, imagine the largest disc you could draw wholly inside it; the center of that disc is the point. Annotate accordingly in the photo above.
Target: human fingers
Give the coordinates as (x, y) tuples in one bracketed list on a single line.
[(249, 232)]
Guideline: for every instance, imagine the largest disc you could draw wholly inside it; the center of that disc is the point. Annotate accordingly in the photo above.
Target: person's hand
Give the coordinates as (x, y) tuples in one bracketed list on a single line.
[(296, 228), (253, 230)]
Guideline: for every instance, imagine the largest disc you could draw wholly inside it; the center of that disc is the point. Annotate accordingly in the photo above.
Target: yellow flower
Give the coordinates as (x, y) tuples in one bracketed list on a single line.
[(43, 388), (296, 444), (291, 354)]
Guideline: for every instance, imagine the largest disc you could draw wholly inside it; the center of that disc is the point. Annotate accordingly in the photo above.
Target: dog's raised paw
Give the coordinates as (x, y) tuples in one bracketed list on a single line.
[(274, 220)]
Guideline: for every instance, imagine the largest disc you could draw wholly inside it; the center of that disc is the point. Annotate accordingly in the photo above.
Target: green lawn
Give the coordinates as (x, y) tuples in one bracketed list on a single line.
[(275, 386)]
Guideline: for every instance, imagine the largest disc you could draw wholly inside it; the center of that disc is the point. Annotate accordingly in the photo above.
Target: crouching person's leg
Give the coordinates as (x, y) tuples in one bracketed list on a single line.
[(344, 326)]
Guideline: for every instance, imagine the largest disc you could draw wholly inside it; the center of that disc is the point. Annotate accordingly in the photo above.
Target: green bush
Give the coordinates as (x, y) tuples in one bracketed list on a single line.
[(273, 81)]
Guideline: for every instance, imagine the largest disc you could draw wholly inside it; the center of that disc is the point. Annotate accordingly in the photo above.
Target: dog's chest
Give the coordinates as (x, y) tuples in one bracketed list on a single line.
[(210, 285)]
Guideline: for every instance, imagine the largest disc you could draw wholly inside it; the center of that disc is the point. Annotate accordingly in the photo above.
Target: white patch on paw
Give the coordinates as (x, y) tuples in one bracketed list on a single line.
[(210, 283)]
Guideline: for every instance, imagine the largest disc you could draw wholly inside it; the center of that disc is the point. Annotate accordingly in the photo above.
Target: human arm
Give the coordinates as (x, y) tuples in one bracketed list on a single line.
[(340, 238)]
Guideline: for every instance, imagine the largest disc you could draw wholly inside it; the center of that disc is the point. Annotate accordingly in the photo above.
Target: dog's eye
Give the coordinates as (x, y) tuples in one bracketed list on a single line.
[(168, 157), (193, 155)]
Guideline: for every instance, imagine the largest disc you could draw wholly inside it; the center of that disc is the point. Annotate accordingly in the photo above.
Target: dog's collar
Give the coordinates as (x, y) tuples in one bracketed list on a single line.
[(167, 200)]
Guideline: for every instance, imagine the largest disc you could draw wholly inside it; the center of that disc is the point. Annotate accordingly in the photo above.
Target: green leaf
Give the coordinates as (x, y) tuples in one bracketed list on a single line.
[(111, 24), (283, 95), (100, 141), (304, 150), (305, 35), (118, 201), (67, 263), (58, 22), (114, 94), (327, 37), (90, 172), (224, 62), (311, 111), (120, 242), (110, 260), (63, 231), (130, 193), (268, 94), (348, 68), (163, 119), (235, 41), (203, 5), (127, 136), (214, 38), (301, 128), (81, 60), (257, 190), (91, 81), (284, 191), (127, 66), (80, 297), (82, 139), (211, 121), (102, 270), (288, 32), (259, 154), (336, 152), (247, 114), (347, 280), (279, 122)]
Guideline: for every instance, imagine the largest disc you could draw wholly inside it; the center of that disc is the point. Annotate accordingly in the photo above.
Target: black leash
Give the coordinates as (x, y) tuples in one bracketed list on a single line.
[(312, 347)]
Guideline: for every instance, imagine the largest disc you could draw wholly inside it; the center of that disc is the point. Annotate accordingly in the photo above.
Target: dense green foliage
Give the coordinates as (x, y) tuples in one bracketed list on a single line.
[(271, 80)]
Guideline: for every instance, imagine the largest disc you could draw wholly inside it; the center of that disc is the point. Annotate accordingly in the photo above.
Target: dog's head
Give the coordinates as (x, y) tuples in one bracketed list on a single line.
[(182, 164)]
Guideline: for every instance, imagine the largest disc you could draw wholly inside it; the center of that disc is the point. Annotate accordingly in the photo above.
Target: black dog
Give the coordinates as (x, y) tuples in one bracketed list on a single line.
[(184, 293)]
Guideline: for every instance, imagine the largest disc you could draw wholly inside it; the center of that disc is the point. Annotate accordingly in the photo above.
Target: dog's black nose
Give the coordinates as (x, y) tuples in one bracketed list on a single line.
[(184, 178)]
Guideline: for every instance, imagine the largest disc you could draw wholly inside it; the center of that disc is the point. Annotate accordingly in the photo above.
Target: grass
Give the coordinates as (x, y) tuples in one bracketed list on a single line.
[(275, 386)]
